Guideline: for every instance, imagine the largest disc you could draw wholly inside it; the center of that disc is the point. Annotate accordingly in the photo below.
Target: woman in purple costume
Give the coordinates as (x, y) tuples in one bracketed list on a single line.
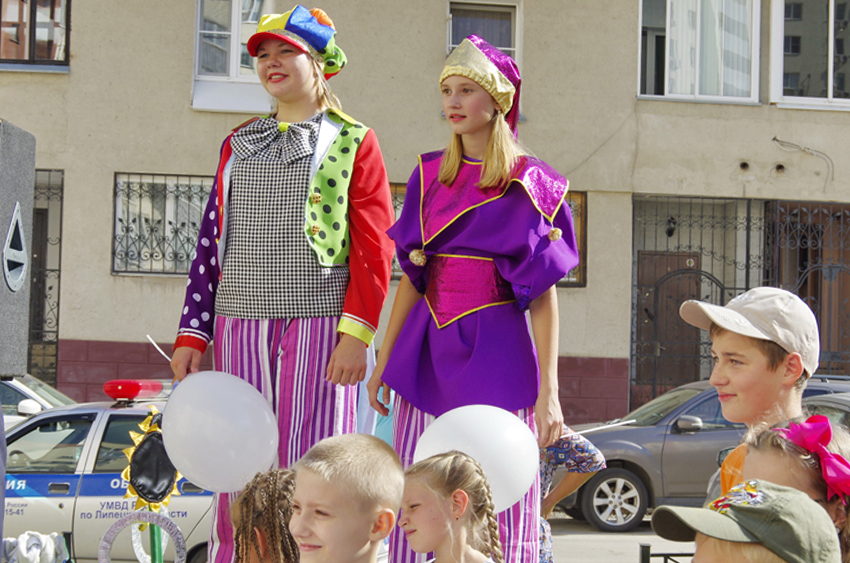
[(484, 236)]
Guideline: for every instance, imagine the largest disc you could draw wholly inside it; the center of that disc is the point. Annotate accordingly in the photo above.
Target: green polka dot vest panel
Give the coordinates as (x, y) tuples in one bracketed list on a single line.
[(326, 224)]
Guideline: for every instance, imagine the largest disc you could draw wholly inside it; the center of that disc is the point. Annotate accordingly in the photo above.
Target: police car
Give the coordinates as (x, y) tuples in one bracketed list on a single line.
[(63, 474)]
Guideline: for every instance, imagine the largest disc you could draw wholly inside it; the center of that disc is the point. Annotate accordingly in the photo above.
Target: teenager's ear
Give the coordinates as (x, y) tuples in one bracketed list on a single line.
[(460, 502), (382, 525), (793, 367)]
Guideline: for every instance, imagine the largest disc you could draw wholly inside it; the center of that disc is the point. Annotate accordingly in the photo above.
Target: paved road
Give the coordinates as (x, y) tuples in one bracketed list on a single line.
[(580, 542)]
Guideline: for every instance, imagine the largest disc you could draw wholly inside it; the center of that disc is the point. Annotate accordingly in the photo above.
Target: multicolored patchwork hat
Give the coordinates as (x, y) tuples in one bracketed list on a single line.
[(312, 31), (784, 520), (495, 71)]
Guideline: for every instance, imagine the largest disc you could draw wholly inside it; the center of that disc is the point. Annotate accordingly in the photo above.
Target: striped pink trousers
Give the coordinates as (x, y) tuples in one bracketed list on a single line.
[(519, 526), (286, 361)]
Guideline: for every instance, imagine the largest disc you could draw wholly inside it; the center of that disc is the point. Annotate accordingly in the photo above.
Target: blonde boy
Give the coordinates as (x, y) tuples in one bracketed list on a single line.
[(756, 522), (348, 493), (765, 345)]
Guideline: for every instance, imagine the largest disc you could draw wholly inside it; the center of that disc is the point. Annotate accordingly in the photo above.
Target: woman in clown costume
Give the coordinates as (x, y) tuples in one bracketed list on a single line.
[(292, 263), (484, 236)]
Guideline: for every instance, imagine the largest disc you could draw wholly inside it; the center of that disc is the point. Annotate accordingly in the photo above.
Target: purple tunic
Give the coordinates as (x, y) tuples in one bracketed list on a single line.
[(486, 356)]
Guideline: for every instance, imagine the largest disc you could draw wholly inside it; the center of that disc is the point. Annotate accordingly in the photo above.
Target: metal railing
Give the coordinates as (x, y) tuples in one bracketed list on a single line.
[(647, 557)]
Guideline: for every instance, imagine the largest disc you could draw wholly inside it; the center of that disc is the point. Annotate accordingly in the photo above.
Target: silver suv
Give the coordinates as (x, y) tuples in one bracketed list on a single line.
[(662, 453)]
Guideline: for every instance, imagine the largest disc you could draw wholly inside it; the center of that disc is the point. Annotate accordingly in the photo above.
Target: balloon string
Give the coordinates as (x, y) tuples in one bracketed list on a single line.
[(158, 349)]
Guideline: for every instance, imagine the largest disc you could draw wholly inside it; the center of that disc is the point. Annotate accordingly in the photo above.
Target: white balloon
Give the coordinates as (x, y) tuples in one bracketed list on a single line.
[(498, 440), (219, 431)]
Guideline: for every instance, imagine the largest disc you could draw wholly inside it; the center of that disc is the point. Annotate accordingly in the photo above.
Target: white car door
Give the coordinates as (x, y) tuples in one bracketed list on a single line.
[(43, 471), (101, 499)]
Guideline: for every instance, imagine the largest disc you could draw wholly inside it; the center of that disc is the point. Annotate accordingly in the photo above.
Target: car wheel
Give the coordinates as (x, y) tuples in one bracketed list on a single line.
[(199, 555), (614, 500), (575, 513)]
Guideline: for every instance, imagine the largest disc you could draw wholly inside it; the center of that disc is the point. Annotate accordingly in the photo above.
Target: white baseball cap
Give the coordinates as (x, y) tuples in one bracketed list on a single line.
[(768, 313)]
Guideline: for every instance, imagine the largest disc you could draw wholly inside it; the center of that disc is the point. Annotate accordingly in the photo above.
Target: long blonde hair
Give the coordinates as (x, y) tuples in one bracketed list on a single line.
[(323, 90), (452, 471), (500, 158)]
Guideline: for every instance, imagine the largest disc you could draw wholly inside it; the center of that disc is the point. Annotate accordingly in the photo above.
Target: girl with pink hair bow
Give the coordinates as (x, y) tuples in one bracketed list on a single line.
[(809, 456)]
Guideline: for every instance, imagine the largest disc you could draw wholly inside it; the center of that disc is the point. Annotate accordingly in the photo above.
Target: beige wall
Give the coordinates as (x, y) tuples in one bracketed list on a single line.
[(125, 106)]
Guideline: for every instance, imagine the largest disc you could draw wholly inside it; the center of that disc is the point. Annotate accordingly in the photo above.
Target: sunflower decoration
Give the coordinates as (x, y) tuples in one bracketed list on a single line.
[(152, 477)]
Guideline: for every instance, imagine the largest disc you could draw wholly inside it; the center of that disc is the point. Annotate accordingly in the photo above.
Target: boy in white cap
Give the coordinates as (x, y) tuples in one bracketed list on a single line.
[(765, 345), (754, 521)]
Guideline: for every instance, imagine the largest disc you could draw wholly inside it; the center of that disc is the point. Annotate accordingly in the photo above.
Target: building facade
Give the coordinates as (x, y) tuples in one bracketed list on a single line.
[(702, 140)]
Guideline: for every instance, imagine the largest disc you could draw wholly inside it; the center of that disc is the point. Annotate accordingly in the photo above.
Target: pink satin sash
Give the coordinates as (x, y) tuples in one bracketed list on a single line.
[(459, 285)]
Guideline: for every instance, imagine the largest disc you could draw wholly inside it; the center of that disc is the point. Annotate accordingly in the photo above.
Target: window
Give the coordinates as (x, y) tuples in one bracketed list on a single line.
[(578, 207), (398, 192), (34, 32), (157, 220), (700, 49), (225, 26), (9, 399), (495, 23), (225, 74), (792, 44), (793, 11), (835, 415), (791, 83), (116, 439), (54, 446), (810, 45), (710, 413)]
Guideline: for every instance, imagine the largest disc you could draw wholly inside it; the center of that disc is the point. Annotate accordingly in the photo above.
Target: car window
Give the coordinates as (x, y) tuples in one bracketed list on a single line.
[(9, 398), (711, 414), (834, 414), (813, 392), (659, 407), (110, 455), (50, 395), (53, 446)]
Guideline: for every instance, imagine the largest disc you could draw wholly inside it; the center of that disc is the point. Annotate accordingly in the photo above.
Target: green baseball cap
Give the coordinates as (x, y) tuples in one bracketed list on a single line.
[(784, 520)]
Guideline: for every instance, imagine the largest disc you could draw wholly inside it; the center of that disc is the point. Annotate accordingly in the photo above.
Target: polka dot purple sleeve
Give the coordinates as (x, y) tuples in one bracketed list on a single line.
[(197, 316)]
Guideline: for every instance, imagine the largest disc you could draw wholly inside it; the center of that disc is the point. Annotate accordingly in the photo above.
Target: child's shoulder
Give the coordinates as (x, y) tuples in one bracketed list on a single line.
[(250, 121), (344, 119), (533, 165), (431, 156), (544, 185)]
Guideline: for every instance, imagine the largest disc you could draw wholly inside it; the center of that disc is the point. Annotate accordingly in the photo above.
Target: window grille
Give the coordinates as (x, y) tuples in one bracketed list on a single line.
[(157, 219)]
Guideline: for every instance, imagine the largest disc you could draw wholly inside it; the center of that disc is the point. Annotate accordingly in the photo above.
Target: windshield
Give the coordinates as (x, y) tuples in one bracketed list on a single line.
[(659, 407), (53, 397)]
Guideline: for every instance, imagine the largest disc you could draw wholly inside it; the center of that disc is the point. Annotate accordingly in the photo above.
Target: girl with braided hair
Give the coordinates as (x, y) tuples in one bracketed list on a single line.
[(447, 509), (261, 515)]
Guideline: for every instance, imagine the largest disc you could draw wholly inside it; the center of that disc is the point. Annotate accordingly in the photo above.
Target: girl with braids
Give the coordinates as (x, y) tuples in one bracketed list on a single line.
[(447, 509), (483, 238), (812, 457), (261, 514)]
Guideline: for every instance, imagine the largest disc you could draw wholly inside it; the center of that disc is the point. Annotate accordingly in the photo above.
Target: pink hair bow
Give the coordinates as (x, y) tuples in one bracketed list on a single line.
[(814, 436)]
